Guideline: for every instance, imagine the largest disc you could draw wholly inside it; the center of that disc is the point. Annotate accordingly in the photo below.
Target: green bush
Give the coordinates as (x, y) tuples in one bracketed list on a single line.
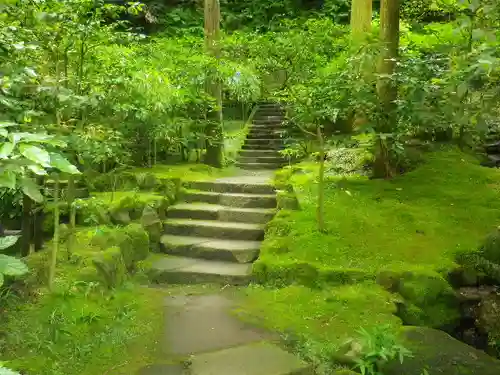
[(110, 266), (134, 245)]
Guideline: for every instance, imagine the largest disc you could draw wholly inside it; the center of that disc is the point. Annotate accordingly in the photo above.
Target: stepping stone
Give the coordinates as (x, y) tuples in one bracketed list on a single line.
[(231, 199), (262, 159), (211, 249), (236, 185), (243, 165), (180, 270), (161, 369), (257, 153), (253, 359), (263, 141), (263, 146), (204, 211), (203, 323), (215, 229)]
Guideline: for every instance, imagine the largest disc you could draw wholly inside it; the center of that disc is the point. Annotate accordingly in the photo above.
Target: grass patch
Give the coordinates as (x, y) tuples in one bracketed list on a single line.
[(387, 241), (186, 172), (416, 221), (87, 330)]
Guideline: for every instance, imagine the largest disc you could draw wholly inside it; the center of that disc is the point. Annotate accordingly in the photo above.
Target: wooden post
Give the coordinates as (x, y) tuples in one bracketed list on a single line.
[(215, 139)]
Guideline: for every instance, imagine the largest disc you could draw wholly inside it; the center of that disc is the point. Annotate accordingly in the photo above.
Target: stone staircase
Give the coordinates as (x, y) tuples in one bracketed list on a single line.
[(214, 235), (264, 141)]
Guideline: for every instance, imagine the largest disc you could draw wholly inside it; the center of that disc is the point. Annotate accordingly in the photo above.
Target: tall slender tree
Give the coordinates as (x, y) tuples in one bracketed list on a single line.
[(386, 87), (215, 140), (361, 18)]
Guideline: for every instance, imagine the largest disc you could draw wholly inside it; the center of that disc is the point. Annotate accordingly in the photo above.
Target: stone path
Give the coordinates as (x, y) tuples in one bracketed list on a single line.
[(213, 236)]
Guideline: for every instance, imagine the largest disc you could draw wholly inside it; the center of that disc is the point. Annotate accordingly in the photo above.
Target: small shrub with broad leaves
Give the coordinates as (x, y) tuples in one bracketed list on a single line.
[(10, 266)]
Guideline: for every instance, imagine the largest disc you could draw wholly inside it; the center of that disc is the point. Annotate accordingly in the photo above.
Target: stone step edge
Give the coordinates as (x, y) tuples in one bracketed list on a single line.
[(219, 207), (235, 195), (234, 251), (214, 224)]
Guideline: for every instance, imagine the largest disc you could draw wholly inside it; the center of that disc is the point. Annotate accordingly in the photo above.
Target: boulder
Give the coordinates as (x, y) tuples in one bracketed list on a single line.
[(439, 353)]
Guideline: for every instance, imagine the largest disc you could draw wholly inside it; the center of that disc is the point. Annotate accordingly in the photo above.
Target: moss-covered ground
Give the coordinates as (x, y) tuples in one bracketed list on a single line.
[(386, 241)]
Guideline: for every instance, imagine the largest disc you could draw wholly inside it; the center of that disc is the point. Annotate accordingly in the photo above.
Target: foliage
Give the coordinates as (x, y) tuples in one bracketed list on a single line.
[(378, 345), (70, 326), (10, 266)]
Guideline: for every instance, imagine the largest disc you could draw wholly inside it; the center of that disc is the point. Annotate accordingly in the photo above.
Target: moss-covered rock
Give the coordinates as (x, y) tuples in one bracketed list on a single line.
[(287, 200), (484, 263), (110, 266), (152, 224), (439, 353), (134, 245), (429, 299)]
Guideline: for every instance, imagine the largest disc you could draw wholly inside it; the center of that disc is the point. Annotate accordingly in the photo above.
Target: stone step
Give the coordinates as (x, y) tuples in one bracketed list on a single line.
[(203, 211), (252, 359), (264, 135), (263, 141), (257, 166), (266, 126), (262, 159), (257, 153), (230, 187), (214, 229), (257, 147), (181, 270), (268, 120), (231, 199), (211, 249)]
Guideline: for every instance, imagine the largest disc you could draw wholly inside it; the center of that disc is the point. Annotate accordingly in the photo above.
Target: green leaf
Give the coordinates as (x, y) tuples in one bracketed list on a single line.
[(1, 283), (35, 154), (36, 169), (59, 162), (3, 132), (3, 370), (12, 266), (6, 150), (8, 241), (32, 190), (8, 180)]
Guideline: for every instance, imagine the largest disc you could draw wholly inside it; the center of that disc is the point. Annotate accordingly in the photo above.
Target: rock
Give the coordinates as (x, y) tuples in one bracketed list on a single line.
[(204, 323), (287, 201), (489, 316), (120, 216), (439, 353), (253, 359), (111, 267), (470, 294)]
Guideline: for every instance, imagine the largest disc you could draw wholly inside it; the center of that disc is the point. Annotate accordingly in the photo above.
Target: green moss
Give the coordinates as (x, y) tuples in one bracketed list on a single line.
[(84, 329), (421, 218), (329, 316), (111, 268), (287, 201), (134, 246), (404, 233)]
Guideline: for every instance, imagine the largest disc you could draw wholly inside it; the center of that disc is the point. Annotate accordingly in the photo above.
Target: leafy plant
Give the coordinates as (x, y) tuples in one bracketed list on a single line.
[(10, 266), (377, 346)]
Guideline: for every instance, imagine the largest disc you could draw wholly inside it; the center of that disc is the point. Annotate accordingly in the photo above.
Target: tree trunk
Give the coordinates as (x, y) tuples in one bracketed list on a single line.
[(361, 18), (320, 209), (215, 139), (55, 240), (386, 88), (27, 226)]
